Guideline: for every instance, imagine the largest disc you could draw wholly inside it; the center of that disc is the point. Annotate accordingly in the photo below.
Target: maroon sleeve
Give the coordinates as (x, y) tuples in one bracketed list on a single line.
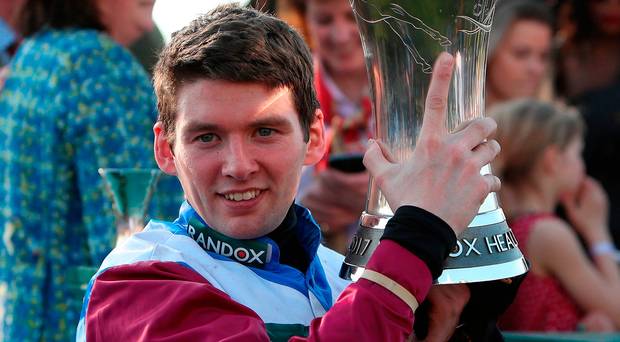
[(165, 301), (366, 311)]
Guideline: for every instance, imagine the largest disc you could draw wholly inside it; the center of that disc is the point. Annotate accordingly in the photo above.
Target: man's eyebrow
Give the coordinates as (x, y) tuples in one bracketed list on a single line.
[(271, 122), (195, 126)]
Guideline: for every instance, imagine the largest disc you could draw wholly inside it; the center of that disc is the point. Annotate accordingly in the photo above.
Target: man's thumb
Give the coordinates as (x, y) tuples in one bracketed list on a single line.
[(375, 159)]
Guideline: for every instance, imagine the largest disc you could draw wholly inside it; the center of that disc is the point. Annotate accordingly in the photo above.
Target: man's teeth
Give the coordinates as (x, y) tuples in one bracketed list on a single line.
[(242, 196)]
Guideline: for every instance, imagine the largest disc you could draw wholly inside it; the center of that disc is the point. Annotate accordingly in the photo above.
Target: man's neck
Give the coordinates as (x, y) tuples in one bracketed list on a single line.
[(292, 251)]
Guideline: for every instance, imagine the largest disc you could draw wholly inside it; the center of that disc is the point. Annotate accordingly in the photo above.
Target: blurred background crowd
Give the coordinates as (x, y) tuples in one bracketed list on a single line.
[(75, 95)]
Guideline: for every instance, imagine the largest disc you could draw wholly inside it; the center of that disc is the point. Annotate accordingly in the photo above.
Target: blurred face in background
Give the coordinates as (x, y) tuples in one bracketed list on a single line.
[(126, 20), (521, 60), (9, 11), (571, 166), (334, 35), (606, 16)]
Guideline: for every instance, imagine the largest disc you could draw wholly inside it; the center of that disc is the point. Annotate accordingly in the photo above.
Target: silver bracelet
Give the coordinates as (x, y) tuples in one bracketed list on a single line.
[(602, 247)]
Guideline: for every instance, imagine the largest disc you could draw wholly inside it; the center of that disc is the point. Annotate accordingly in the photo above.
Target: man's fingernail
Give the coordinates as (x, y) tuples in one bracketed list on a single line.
[(446, 59)]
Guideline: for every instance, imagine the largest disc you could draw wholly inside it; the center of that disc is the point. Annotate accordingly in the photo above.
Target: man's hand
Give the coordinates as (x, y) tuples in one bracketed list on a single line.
[(446, 302), (443, 173), (336, 198)]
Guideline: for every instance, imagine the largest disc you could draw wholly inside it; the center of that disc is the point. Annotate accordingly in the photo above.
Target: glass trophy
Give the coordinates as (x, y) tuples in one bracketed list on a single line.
[(401, 41)]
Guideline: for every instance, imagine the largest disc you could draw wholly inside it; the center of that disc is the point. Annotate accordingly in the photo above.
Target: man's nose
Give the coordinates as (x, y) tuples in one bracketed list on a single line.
[(239, 162)]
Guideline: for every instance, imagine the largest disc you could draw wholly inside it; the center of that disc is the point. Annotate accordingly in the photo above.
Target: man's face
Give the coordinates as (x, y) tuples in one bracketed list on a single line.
[(238, 152)]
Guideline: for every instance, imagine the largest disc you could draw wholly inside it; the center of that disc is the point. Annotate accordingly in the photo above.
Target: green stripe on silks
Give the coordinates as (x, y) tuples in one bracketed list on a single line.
[(283, 332)]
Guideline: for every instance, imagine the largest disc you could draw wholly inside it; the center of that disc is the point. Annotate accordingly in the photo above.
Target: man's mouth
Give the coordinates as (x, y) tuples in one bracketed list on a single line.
[(242, 196)]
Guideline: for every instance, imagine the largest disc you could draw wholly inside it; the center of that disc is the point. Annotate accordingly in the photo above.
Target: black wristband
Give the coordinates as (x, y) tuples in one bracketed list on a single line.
[(422, 233)]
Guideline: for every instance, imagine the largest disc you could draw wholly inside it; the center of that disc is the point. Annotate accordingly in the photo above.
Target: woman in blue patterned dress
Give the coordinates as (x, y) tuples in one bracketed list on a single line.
[(75, 100)]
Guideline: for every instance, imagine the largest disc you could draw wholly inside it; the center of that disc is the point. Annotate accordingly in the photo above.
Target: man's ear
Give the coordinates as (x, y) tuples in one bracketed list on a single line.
[(164, 156), (316, 141)]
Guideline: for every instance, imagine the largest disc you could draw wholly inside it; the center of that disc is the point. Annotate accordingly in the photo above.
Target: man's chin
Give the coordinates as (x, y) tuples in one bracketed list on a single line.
[(244, 235), (241, 229)]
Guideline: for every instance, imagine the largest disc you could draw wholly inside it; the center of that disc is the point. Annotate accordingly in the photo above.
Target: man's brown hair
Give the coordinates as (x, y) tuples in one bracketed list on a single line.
[(236, 44)]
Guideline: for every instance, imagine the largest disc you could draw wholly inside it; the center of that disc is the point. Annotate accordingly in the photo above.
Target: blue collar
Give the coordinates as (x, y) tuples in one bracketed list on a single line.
[(262, 252)]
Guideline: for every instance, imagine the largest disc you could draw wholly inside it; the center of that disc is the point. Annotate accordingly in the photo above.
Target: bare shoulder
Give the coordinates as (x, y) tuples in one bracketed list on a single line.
[(551, 241), (551, 229)]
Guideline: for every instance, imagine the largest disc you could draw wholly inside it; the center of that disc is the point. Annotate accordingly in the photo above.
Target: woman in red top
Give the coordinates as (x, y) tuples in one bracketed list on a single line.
[(541, 166)]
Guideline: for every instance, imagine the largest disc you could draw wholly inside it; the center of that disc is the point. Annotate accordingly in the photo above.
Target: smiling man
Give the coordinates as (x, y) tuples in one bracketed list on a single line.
[(238, 121), (239, 146)]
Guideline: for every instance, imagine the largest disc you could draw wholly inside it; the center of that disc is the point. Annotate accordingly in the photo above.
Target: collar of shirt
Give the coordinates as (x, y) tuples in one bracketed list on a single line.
[(263, 252)]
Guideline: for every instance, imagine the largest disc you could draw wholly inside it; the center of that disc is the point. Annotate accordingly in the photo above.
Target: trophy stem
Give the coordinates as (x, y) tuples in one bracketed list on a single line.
[(125, 227), (131, 191)]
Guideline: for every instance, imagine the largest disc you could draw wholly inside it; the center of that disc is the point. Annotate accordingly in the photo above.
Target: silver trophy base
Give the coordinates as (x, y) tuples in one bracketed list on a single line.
[(487, 250)]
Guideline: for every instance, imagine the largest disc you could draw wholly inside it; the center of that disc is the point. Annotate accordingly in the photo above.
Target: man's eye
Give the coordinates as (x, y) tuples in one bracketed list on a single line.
[(265, 132), (207, 138)]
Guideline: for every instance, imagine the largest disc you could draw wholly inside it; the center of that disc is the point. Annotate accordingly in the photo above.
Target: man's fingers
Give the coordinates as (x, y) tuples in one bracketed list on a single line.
[(471, 133), (485, 152), (462, 126), (437, 97), (387, 153), (462, 291), (494, 183), (375, 159)]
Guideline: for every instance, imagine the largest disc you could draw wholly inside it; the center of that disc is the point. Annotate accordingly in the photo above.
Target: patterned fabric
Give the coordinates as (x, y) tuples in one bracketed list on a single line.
[(541, 303), (75, 101)]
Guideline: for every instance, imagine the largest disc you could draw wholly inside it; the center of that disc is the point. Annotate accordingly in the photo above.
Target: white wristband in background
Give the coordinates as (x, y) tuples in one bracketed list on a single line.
[(602, 247), (392, 286)]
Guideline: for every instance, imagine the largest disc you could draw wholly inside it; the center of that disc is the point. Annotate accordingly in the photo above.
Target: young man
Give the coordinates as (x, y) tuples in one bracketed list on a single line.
[(238, 120)]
